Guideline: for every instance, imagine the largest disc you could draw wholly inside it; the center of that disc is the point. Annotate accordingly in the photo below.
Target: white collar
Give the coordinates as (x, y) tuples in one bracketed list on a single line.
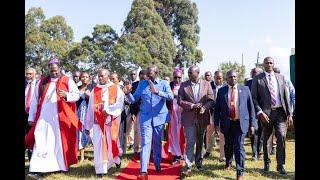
[(105, 85), (235, 86), (271, 74)]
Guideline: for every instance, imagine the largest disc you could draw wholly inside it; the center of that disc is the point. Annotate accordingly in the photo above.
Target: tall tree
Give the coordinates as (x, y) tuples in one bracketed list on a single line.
[(95, 51), (46, 38), (146, 39), (240, 69), (181, 17)]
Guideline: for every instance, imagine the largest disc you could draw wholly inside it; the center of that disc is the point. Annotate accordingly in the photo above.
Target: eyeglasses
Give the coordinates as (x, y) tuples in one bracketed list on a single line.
[(177, 77)]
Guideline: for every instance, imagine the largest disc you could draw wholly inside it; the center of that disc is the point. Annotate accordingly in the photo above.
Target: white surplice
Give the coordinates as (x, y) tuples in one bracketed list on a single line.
[(115, 110), (47, 155)]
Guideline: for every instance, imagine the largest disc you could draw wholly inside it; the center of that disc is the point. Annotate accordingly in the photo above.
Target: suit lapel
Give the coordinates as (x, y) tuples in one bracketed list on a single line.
[(226, 96), (265, 81), (189, 91), (279, 85)]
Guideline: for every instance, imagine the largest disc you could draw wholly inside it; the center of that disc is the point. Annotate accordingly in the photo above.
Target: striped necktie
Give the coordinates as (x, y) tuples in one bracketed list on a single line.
[(272, 91)]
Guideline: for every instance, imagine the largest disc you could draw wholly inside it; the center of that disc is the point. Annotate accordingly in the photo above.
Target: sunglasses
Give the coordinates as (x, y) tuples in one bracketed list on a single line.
[(177, 77), (133, 74)]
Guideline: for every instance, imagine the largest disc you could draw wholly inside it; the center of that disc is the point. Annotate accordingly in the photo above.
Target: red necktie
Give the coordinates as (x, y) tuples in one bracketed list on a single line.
[(28, 100), (232, 104)]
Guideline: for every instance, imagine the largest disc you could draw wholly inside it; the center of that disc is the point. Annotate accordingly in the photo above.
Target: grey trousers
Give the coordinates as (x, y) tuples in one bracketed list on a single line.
[(277, 120), (194, 135)]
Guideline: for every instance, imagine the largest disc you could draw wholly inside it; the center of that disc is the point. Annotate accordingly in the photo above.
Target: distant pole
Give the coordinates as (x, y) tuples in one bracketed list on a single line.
[(242, 59), (257, 59)]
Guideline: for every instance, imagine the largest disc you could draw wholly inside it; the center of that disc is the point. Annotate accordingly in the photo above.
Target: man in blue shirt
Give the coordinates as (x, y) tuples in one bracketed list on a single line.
[(153, 113)]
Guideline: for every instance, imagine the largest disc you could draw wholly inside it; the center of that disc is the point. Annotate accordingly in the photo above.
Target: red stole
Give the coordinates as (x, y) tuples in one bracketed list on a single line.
[(100, 117), (68, 121)]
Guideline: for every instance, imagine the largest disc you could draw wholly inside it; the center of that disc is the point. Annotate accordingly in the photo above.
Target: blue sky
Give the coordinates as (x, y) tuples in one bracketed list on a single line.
[(228, 28)]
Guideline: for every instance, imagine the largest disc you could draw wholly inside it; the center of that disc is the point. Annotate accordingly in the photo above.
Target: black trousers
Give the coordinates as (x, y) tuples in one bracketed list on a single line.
[(277, 121), (27, 128), (257, 141)]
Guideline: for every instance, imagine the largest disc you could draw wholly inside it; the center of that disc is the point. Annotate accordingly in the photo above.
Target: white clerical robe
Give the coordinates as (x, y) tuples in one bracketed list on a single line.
[(115, 110), (47, 155)]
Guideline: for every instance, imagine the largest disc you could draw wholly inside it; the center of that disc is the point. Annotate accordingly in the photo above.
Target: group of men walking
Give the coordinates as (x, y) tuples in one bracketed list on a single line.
[(60, 113)]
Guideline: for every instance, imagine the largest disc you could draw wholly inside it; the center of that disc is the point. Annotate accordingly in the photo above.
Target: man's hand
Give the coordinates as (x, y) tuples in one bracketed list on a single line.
[(62, 93), (202, 110), (198, 106), (290, 121), (87, 132), (263, 117), (152, 88), (127, 89)]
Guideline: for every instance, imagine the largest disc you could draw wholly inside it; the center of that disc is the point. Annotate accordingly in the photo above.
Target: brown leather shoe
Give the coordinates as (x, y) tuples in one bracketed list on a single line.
[(240, 178), (142, 176)]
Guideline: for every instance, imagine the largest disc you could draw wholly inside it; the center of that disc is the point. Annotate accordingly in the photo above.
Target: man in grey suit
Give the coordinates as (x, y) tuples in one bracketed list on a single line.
[(272, 104), (195, 96)]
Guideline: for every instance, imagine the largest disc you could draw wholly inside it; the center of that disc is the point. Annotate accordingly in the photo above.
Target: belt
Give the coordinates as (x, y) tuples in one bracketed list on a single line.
[(276, 108)]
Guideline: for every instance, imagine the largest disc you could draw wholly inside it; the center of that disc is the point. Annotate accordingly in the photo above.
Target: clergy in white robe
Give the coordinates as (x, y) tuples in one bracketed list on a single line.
[(54, 124), (105, 105)]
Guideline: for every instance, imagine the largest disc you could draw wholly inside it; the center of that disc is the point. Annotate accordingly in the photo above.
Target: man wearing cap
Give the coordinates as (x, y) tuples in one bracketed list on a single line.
[(53, 135)]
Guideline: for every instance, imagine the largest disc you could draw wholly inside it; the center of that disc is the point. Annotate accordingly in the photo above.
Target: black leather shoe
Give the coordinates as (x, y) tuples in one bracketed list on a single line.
[(36, 176), (200, 168), (158, 169), (281, 170), (118, 165), (206, 155), (266, 167), (99, 176)]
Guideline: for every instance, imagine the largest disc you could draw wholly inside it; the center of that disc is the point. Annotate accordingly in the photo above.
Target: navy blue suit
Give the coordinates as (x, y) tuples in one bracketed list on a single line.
[(235, 131)]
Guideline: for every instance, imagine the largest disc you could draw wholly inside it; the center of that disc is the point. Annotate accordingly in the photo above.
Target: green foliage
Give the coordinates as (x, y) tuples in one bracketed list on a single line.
[(95, 51), (45, 38), (181, 17), (240, 69), (146, 40)]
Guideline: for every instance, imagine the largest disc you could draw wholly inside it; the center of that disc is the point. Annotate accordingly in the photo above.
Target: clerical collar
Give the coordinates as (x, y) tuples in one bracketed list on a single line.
[(105, 85)]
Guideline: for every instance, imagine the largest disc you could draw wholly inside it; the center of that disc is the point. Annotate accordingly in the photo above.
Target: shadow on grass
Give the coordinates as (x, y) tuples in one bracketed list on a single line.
[(271, 174)]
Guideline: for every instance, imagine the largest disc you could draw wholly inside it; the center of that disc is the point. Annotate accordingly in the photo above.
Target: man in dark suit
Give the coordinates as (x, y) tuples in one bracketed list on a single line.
[(256, 139), (272, 104), (234, 113), (195, 96)]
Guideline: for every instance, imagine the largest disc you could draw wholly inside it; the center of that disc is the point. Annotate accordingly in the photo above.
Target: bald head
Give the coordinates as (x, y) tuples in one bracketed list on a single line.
[(232, 77), (193, 73), (114, 78), (255, 71), (152, 72), (103, 76), (218, 77), (30, 74), (268, 64)]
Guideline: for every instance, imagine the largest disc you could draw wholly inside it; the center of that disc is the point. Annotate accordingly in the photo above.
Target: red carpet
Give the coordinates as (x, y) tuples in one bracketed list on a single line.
[(168, 172)]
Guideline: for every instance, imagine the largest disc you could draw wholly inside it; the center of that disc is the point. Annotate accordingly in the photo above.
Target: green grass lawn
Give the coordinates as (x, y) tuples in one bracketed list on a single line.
[(213, 169)]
